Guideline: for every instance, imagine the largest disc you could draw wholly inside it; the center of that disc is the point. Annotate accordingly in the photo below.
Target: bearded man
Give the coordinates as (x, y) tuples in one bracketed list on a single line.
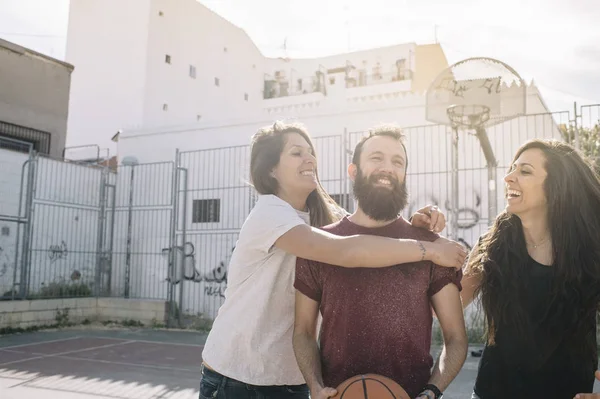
[(378, 320)]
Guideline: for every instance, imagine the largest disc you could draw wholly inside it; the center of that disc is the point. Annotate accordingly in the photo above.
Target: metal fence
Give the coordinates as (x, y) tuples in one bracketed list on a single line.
[(166, 230)]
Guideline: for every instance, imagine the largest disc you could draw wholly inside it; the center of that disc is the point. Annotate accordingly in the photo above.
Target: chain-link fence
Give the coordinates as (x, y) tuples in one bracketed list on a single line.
[(166, 230)]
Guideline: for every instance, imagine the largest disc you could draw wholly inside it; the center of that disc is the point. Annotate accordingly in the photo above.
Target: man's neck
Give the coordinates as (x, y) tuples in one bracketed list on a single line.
[(362, 219)]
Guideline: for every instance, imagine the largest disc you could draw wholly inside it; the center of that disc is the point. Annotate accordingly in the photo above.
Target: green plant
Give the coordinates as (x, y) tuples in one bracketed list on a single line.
[(62, 317), (132, 323), (62, 290), (589, 141), (156, 324)]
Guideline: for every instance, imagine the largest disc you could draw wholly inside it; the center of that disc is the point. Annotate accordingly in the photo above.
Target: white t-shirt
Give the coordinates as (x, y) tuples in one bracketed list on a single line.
[(251, 337)]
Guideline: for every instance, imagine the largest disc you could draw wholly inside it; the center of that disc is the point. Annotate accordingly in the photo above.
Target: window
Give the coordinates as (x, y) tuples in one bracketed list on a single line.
[(20, 138), (332, 80), (192, 72), (246, 96), (165, 107), (217, 82), (206, 211), (160, 14), (198, 117), (5, 231), (167, 58), (224, 49)]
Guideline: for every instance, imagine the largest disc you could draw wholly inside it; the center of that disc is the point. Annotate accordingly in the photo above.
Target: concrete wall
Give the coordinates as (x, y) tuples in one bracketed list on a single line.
[(23, 314), (107, 40), (35, 92), (185, 30)]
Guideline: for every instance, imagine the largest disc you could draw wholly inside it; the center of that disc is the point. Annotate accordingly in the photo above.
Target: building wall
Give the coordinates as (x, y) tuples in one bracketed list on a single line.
[(107, 40), (35, 92), (185, 31), (321, 119), (430, 61)]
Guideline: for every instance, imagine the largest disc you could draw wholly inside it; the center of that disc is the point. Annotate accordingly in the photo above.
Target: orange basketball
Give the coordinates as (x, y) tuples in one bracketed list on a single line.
[(370, 386)]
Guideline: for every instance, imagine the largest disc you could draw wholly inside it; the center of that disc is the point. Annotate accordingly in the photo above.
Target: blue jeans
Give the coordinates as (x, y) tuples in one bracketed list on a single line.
[(216, 386)]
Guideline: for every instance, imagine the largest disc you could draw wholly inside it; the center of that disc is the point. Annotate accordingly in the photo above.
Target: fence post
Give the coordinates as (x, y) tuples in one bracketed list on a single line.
[(183, 238), (129, 228), (173, 310), (345, 198), (26, 249), (100, 234), (576, 129)]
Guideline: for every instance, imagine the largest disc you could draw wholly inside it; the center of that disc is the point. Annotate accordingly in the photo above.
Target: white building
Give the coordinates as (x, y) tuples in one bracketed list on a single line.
[(174, 76)]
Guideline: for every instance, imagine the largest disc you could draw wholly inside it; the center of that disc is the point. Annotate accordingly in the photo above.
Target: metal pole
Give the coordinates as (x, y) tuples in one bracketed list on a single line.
[(454, 223), (26, 250), (26, 163), (346, 198), (492, 163), (100, 233), (576, 129), (109, 254), (129, 228), (492, 195), (172, 306), (183, 241)]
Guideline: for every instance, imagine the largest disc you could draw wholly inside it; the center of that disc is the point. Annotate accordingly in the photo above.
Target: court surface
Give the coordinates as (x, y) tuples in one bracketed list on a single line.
[(98, 363)]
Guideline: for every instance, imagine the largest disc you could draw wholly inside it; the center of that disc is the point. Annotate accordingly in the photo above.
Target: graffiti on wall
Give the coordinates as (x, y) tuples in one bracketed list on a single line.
[(469, 215), (57, 252), (216, 276), (7, 263)]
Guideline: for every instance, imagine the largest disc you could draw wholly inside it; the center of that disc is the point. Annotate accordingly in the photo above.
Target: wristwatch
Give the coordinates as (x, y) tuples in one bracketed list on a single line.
[(435, 390)]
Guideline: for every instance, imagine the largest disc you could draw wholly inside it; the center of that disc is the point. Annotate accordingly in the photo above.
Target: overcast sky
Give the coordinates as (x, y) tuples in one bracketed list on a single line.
[(551, 41)]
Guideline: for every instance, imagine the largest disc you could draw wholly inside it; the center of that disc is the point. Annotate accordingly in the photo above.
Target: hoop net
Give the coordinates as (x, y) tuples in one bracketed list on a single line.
[(476, 92), (468, 116)]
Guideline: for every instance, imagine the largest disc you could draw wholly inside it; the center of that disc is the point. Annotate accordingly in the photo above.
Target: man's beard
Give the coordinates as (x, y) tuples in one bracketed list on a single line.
[(380, 203)]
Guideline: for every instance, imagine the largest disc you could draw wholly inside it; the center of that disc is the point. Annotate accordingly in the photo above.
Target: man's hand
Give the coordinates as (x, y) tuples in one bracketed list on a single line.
[(430, 218), (446, 253), (590, 395), (323, 393)]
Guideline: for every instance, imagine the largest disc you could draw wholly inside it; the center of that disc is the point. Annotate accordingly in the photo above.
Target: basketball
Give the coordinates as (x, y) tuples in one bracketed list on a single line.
[(370, 386)]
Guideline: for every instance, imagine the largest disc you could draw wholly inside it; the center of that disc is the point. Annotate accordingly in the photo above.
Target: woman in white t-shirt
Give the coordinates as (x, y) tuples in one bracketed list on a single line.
[(248, 353)]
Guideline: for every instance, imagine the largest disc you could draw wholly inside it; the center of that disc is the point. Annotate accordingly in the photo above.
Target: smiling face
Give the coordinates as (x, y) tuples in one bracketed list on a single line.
[(525, 184), (296, 170), (380, 178)]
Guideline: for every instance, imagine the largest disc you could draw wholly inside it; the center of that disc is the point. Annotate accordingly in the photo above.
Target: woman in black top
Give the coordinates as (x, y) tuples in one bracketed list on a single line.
[(537, 271)]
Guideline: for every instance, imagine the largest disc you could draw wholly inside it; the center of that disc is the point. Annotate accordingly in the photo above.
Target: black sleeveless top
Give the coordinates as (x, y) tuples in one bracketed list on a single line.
[(515, 369)]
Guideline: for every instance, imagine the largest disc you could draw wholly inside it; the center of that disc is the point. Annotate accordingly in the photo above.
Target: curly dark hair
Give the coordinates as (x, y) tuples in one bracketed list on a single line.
[(572, 190)]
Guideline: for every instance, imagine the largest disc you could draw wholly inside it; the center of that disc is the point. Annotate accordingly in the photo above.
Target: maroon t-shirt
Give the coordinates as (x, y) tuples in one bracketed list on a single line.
[(376, 320)]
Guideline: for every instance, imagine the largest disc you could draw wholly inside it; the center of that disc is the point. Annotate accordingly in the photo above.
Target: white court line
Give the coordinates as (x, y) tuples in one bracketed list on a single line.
[(42, 356), (84, 394), (99, 337), (39, 343), (149, 366), (159, 342)]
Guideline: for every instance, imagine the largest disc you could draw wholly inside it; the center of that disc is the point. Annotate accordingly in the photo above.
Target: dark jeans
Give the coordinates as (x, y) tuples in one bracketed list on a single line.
[(216, 386)]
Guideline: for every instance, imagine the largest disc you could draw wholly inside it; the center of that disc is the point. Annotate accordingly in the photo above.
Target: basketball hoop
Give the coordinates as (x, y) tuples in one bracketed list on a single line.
[(468, 116), (474, 94)]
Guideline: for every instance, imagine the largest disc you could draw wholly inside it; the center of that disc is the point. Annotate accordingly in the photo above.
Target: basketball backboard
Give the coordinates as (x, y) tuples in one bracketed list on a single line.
[(482, 86)]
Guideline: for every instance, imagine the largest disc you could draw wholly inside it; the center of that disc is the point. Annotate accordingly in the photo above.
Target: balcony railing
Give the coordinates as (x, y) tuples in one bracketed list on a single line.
[(358, 79), (275, 88)]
